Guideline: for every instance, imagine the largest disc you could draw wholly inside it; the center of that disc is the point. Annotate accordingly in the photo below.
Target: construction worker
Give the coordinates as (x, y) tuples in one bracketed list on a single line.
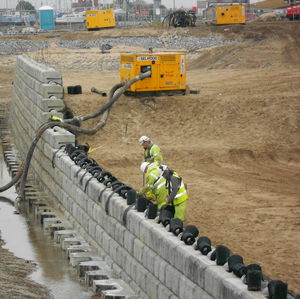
[(152, 152), (155, 188), (177, 194)]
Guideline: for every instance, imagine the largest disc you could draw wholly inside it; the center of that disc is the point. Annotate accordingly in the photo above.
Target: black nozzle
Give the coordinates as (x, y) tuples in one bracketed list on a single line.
[(131, 197), (166, 214), (141, 204), (234, 259), (189, 234), (278, 289), (151, 210), (239, 269), (204, 245), (176, 226), (101, 92), (253, 278), (222, 255)]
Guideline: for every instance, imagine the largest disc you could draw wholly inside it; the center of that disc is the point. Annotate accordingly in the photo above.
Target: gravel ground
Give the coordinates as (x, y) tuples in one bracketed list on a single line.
[(168, 41), (165, 41), (20, 45)]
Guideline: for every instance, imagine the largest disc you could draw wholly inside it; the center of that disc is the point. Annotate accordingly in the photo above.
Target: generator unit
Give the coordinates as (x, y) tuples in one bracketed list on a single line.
[(168, 72), (101, 18), (230, 14)]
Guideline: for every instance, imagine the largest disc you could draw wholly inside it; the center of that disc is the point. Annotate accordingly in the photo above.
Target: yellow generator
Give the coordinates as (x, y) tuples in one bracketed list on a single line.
[(97, 19), (168, 73), (230, 14)]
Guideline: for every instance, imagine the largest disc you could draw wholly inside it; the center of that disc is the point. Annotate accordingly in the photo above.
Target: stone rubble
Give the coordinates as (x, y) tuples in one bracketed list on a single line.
[(174, 41)]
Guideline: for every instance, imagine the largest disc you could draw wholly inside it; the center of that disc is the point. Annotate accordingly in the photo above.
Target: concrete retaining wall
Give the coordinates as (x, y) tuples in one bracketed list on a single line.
[(154, 262)]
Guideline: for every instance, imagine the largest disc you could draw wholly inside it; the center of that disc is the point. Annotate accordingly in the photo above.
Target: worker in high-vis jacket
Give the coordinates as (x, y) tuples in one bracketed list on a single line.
[(151, 151), (177, 193), (155, 186)]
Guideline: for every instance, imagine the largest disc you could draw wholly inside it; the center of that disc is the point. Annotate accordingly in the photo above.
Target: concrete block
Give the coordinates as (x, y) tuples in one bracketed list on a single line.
[(151, 288), (189, 290), (83, 267), (129, 241), (66, 242), (180, 254), (133, 222), (50, 221), (44, 215), (113, 288), (56, 137), (235, 288), (77, 257), (41, 72), (160, 267), (94, 189), (172, 279), (52, 104), (213, 284), (77, 249), (90, 276), (55, 227), (195, 265), (138, 249), (163, 292), (61, 234), (44, 117), (119, 234)]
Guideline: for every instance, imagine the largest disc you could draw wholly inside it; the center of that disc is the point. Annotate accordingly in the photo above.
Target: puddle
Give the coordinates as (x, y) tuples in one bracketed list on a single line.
[(24, 237)]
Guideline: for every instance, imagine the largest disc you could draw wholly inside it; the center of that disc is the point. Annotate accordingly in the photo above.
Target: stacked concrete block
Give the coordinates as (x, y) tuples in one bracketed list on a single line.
[(41, 72), (113, 288)]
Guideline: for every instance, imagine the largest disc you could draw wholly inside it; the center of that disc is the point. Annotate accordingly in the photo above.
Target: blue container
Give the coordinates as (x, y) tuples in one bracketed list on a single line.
[(46, 14)]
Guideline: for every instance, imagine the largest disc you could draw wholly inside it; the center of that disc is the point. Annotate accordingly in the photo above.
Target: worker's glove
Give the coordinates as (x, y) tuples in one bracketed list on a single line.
[(168, 199)]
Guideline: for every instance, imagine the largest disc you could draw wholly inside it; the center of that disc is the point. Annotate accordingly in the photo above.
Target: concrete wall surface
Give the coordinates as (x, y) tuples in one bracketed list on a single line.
[(144, 254)]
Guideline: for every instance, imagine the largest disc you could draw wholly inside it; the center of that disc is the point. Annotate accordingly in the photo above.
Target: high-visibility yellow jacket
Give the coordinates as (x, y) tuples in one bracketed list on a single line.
[(152, 154), (160, 192), (155, 187)]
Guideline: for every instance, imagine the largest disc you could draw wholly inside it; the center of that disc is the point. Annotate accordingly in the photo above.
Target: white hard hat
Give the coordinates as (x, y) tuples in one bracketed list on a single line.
[(143, 166), (144, 139), (162, 168)]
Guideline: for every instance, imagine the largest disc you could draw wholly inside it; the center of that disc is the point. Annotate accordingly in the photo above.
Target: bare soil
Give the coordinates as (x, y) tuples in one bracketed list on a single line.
[(13, 278), (236, 144)]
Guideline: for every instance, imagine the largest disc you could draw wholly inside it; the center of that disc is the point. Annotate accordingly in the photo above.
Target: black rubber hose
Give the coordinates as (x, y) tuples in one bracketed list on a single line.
[(100, 111), (14, 180)]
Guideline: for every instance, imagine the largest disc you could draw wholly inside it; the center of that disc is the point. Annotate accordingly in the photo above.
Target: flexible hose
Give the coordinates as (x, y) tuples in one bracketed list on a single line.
[(14, 180), (99, 112), (22, 173)]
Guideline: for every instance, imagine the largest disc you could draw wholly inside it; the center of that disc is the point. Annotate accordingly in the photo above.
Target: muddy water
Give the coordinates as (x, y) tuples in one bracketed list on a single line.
[(24, 237)]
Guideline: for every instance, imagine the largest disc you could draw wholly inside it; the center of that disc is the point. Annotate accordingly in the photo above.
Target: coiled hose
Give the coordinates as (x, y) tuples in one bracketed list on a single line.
[(114, 95)]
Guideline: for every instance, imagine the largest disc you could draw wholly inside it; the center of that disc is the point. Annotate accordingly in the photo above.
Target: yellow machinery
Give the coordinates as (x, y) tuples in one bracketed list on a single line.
[(230, 14), (168, 72), (97, 19)]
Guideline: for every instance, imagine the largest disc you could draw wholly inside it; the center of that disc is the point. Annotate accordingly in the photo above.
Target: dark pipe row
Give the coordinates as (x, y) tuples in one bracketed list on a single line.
[(251, 275), (79, 155)]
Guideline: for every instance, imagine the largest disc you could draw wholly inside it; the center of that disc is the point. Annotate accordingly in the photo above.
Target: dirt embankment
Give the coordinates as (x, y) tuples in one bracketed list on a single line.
[(236, 144), (13, 278)]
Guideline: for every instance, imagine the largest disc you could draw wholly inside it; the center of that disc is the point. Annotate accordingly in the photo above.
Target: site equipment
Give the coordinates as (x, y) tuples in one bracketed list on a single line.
[(293, 12), (230, 14), (168, 73), (181, 18), (102, 18)]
